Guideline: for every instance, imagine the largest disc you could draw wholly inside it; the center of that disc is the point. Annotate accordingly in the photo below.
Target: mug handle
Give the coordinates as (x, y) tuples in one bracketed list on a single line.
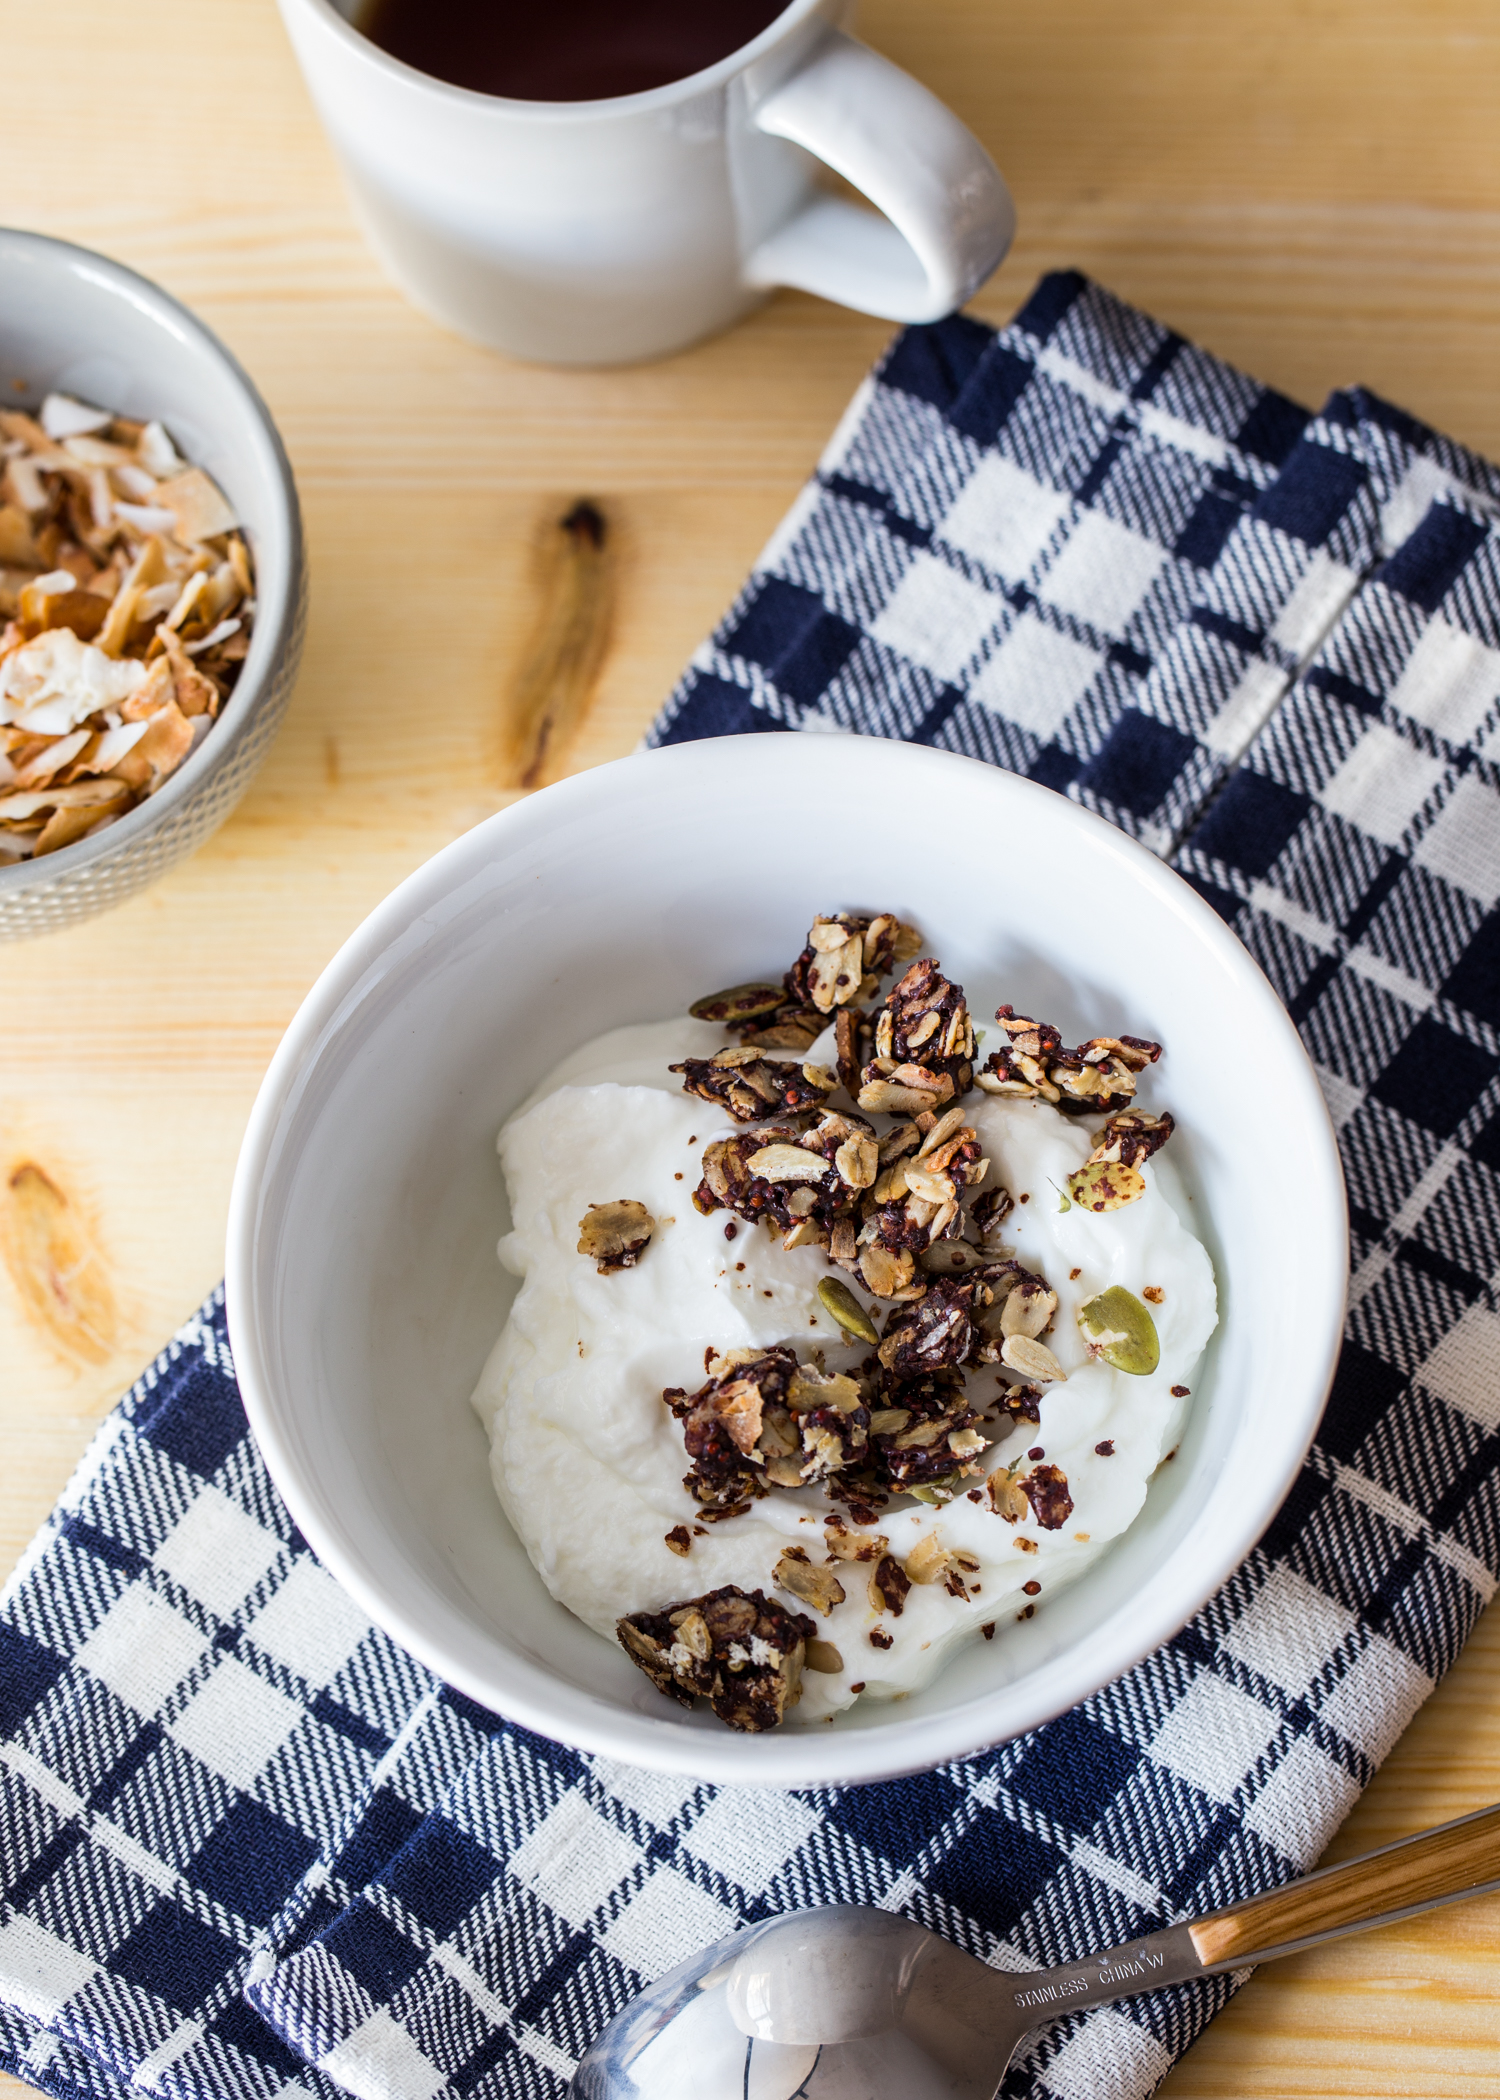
[(948, 216)]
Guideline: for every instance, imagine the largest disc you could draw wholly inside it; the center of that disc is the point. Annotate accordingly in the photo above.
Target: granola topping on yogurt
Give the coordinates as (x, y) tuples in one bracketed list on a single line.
[(938, 1322)]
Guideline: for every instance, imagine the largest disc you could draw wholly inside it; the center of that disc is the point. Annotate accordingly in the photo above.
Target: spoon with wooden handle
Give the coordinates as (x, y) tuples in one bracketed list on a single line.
[(849, 2003)]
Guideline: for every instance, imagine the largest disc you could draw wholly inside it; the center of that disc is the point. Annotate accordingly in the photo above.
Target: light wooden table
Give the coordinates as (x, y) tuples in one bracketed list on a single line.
[(1311, 187)]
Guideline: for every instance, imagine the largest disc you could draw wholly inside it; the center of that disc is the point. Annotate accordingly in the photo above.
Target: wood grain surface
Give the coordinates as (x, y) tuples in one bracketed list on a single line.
[(1310, 187), (1436, 1866)]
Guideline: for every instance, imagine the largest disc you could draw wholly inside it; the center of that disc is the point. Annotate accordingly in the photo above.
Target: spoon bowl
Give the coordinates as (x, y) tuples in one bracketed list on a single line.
[(840, 2003), (850, 2003)]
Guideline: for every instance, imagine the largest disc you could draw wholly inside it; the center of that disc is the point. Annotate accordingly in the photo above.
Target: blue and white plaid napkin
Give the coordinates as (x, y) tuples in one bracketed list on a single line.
[(250, 1849)]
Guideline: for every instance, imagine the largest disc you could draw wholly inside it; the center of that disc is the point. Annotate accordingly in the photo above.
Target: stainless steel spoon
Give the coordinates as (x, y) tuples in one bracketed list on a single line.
[(848, 2003)]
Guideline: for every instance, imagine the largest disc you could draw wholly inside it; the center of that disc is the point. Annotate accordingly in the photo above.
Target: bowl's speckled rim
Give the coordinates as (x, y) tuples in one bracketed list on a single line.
[(275, 619)]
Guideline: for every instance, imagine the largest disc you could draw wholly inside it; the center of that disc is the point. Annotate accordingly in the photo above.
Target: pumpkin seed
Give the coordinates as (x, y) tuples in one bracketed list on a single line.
[(1105, 1185), (742, 1002), (937, 1492), (615, 1235), (1117, 1326), (838, 1300)]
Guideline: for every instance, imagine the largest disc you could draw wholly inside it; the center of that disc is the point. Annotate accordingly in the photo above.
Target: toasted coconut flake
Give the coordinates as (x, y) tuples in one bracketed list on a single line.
[(18, 548), (82, 611), (96, 452), (113, 745), (214, 637), (51, 685), (93, 557), (194, 693), (158, 599), (158, 754), (157, 454), (83, 794), (132, 481), (63, 417), (67, 826), (186, 601), (25, 486), (147, 517), (52, 758), (198, 506)]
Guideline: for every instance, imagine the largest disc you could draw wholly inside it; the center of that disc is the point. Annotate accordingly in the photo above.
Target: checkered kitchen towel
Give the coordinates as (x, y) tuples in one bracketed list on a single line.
[(250, 1849)]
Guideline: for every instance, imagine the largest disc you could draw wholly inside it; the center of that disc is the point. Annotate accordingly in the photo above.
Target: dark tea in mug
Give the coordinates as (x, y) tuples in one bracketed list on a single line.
[(568, 51)]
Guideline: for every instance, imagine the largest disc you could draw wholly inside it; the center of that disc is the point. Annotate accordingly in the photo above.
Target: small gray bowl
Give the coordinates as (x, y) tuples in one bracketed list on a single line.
[(77, 323)]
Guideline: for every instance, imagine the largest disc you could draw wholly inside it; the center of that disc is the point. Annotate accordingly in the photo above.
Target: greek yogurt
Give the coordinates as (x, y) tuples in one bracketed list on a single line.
[(588, 1463)]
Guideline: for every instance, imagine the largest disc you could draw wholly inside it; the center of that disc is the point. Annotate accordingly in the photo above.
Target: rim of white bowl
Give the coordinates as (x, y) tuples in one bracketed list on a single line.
[(276, 615), (531, 1696)]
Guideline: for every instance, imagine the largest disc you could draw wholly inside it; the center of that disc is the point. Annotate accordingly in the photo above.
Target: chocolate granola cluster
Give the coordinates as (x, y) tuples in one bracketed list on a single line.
[(844, 960), (939, 1330), (739, 1649), (923, 1434), (763, 1419), (927, 1163), (800, 1178), (913, 1058), (1131, 1139), (750, 1087), (1095, 1079), (924, 1045)]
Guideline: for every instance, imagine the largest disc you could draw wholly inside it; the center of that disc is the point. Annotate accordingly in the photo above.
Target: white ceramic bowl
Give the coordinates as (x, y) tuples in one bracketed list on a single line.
[(76, 323), (364, 1292)]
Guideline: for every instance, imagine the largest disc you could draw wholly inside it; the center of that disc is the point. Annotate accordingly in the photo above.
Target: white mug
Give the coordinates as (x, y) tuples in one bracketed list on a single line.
[(603, 232)]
